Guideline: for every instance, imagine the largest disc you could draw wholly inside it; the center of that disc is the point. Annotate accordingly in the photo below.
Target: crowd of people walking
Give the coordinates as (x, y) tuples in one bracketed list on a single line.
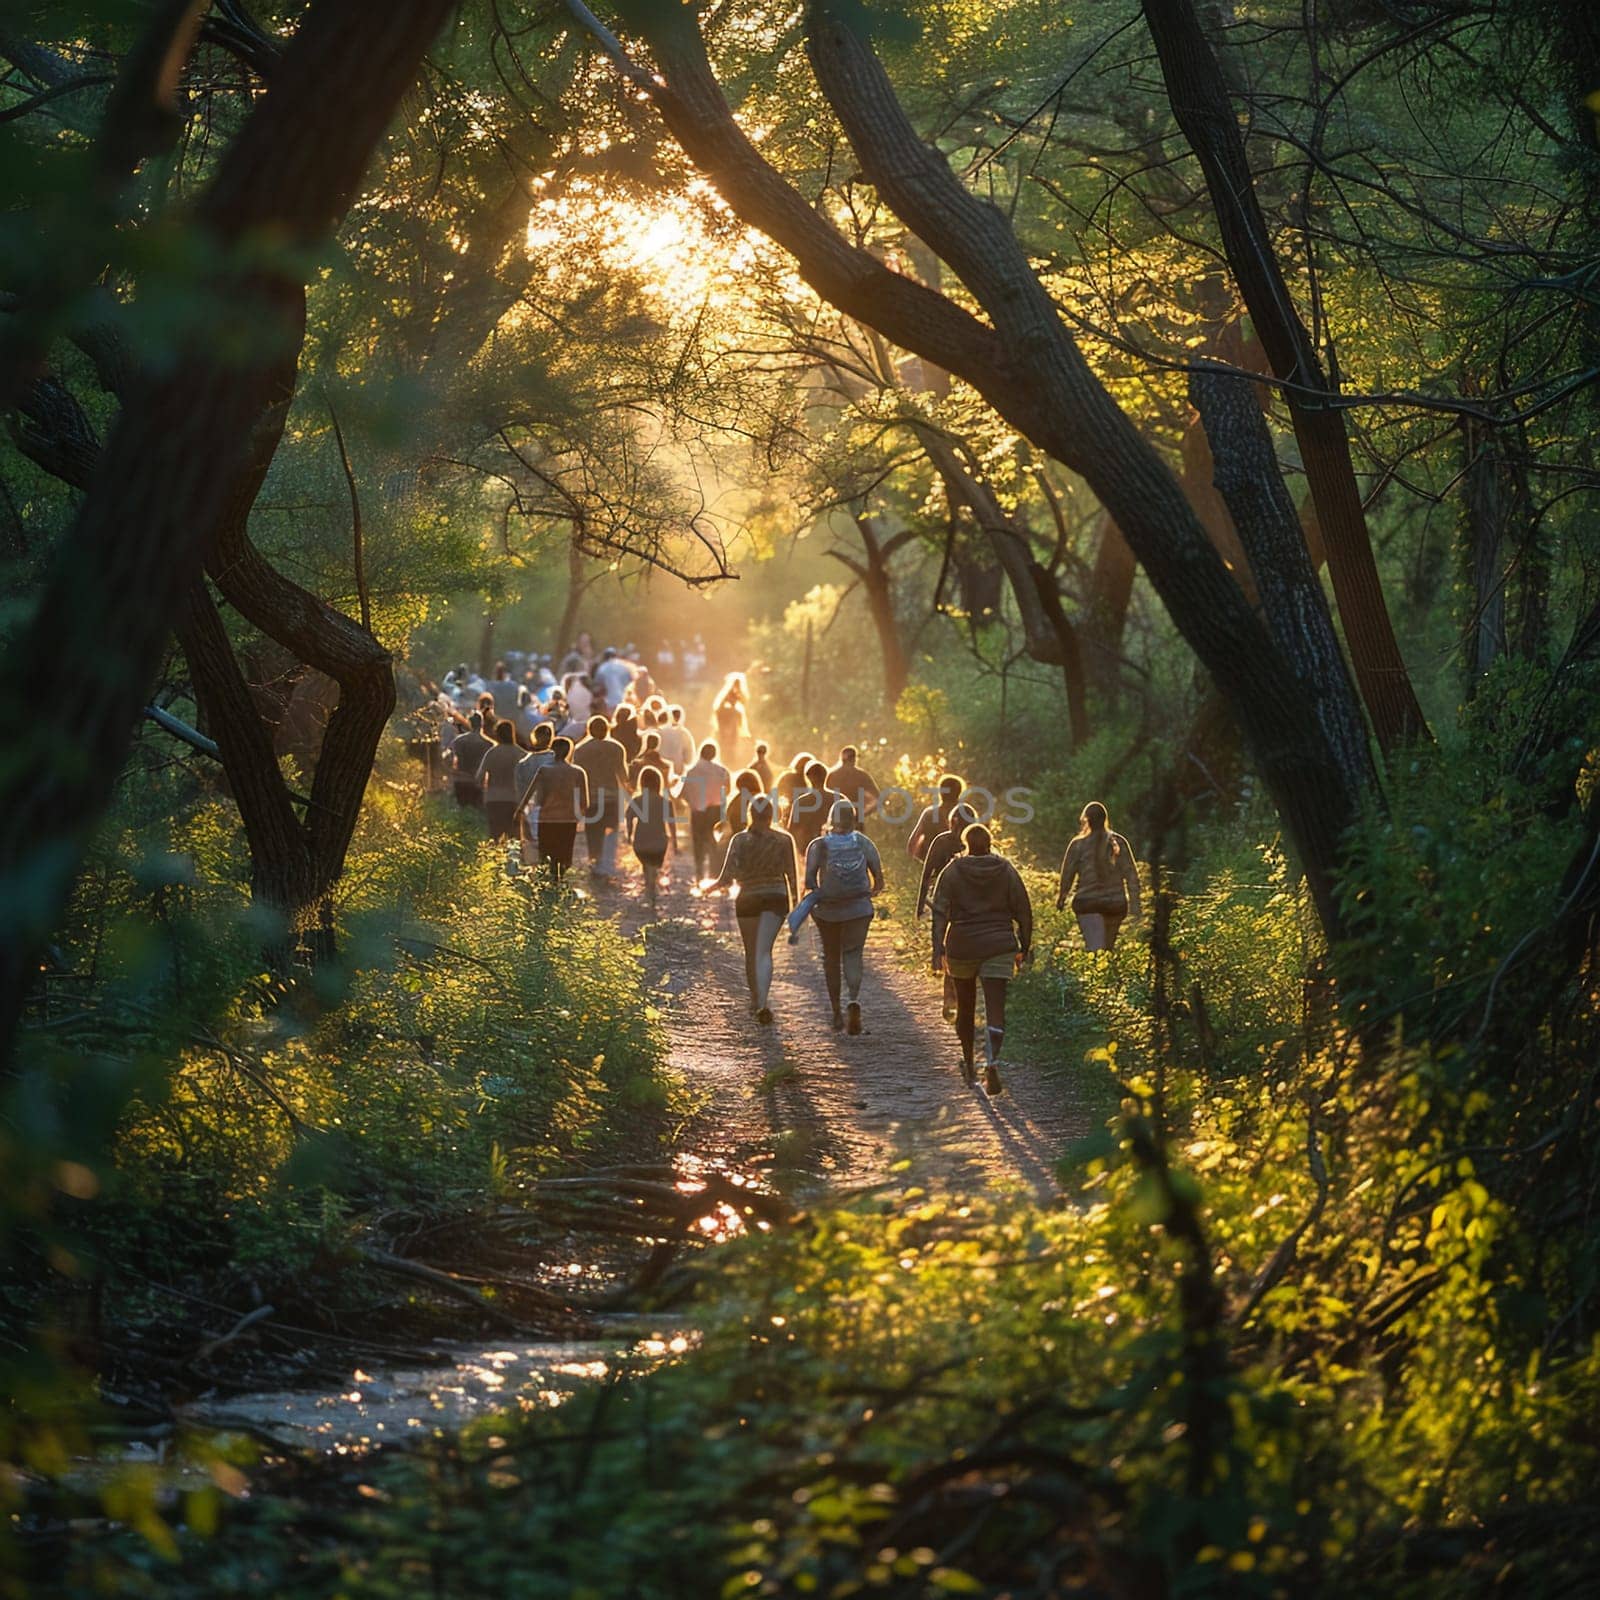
[(604, 752)]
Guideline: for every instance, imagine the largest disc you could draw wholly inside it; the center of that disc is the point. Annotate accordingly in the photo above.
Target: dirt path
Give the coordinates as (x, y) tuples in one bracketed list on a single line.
[(824, 1110)]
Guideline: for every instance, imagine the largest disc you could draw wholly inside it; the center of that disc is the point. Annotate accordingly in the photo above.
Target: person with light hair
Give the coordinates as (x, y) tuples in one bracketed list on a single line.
[(1099, 865), (761, 861), (844, 873), (730, 710)]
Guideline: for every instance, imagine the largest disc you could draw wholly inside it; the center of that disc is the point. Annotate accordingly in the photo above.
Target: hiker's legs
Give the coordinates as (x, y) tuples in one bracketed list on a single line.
[(832, 949), (1112, 925), (556, 840), (749, 930), (966, 1014), (949, 997), (1093, 928), (650, 866), (994, 1014), (770, 922), (594, 838), (702, 828), (852, 942)]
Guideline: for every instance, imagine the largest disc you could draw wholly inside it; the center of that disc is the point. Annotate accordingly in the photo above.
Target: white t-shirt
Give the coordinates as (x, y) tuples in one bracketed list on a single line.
[(677, 745)]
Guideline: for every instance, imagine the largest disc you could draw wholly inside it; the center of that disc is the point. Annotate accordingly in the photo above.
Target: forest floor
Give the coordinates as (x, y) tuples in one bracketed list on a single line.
[(812, 1114), (823, 1111)]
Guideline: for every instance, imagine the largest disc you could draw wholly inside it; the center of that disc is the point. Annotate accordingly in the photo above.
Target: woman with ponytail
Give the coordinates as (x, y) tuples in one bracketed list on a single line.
[(1100, 864)]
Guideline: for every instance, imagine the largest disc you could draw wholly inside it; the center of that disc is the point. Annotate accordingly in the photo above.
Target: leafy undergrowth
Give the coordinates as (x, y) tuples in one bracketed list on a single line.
[(925, 1396), (1311, 1324), (206, 1139)]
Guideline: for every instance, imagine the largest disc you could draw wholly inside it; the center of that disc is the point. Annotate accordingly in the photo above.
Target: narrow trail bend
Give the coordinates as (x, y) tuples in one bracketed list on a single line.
[(824, 1111)]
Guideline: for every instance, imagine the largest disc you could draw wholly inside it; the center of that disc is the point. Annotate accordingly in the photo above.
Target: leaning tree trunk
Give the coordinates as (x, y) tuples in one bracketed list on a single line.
[(180, 447), (283, 877), (1249, 479), (1023, 361), (1199, 97)]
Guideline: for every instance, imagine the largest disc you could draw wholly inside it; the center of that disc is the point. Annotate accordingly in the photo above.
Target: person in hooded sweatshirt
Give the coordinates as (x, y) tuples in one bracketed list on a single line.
[(982, 933), (1099, 865), (942, 851)]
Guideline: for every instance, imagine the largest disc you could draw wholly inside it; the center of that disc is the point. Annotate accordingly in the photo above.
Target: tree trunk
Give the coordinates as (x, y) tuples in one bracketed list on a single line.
[(1200, 102), (283, 877), (1024, 362), (879, 591), (1249, 479), (577, 583), (1483, 511), (171, 469), (1106, 609)]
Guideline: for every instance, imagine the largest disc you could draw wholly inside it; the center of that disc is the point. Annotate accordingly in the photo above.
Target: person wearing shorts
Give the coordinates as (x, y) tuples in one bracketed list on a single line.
[(761, 861), (561, 794), (843, 869), (982, 933), (1099, 865), (652, 823)]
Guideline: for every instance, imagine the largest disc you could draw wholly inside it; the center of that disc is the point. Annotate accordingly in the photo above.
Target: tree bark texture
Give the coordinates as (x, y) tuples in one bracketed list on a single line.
[(172, 468), (1484, 515), (1199, 97), (1248, 478), (877, 586), (1029, 368)]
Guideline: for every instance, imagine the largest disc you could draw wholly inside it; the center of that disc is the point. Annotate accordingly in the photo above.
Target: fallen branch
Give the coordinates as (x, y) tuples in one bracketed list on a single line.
[(243, 1325), (400, 1267)]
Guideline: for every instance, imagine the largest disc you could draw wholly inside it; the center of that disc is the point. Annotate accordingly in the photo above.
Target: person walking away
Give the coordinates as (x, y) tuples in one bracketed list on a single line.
[(465, 756), (1100, 864), (614, 675), (935, 818), (809, 810), (625, 730), (503, 691), (792, 777), (762, 767), (703, 788), (677, 743), (736, 814), (733, 730), (982, 932), (652, 821), (842, 866), (605, 765), (528, 768), (650, 756), (852, 782), (761, 860), (497, 772), (579, 696), (561, 796), (945, 848)]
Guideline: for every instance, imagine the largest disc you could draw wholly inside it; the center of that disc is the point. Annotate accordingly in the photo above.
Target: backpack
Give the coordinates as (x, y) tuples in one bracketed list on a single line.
[(844, 875)]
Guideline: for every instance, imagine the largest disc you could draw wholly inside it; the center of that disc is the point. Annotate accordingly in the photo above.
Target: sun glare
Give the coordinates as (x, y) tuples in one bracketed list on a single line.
[(683, 248)]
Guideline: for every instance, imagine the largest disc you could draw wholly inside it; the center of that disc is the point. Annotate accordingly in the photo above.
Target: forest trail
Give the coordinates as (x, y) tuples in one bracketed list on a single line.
[(821, 1111)]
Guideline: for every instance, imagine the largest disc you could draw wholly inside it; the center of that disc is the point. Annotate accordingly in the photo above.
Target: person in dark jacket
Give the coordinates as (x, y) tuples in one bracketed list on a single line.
[(935, 818), (945, 848), (982, 931), (466, 756)]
